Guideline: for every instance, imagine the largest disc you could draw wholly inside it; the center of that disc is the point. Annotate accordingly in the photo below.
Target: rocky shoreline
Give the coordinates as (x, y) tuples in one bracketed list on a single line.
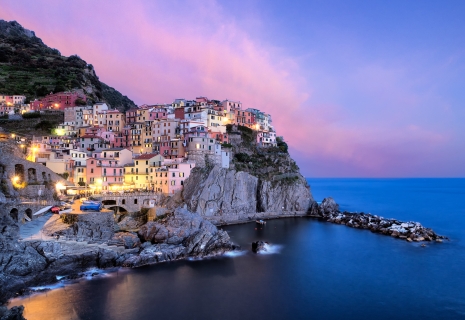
[(178, 235), (410, 231)]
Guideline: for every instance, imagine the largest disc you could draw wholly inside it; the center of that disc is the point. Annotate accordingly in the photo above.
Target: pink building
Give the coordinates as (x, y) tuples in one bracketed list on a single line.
[(105, 171), (158, 113), (58, 101)]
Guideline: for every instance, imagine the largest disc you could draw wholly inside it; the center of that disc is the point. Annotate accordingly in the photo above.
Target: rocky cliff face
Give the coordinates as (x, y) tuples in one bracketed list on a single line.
[(260, 182), (226, 195)]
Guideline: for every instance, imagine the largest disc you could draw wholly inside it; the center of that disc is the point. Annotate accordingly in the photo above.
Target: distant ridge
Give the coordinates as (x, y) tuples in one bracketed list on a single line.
[(31, 68)]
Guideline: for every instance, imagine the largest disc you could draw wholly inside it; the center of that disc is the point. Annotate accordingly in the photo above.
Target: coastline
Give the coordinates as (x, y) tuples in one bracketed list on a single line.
[(81, 273)]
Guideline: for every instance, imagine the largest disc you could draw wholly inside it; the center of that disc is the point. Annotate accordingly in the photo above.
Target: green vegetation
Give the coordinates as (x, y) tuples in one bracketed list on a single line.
[(226, 145), (64, 175), (28, 67), (45, 125), (27, 126), (31, 115), (281, 144)]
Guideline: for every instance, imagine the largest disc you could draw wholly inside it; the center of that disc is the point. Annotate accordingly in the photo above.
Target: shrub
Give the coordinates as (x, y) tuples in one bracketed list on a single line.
[(281, 144), (44, 125), (64, 175), (242, 157), (80, 102), (31, 115), (226, 145)]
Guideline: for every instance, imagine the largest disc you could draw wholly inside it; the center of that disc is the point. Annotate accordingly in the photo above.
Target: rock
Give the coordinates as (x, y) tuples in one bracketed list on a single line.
[(24, 264), (129, 239), (258, 246), (15, 313), (328, 206), (229, 195), (410, 231), (128, 224)]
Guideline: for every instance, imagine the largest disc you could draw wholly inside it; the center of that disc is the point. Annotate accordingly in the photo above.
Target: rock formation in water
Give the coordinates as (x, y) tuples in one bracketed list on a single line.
[(260, 182), (410, 231)]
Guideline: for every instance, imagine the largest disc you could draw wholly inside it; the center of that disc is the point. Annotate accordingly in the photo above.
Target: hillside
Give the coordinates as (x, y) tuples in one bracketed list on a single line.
[(31, 68)]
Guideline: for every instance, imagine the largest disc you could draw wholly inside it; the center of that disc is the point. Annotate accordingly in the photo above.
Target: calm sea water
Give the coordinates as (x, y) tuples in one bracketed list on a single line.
[(316, 270)]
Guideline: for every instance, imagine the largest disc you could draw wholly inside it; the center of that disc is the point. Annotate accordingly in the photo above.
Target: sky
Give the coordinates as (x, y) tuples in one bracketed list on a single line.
[(357, 88)]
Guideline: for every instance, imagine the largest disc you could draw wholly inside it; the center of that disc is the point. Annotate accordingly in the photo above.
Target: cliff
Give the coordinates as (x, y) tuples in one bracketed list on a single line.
[(29, 67), (259, 183)]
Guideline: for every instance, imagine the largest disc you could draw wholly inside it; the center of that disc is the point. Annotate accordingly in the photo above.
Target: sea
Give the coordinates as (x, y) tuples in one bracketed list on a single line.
[(312, 270)]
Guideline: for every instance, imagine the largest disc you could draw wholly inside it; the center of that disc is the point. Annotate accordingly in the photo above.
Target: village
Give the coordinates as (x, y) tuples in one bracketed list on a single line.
[(148, 148)]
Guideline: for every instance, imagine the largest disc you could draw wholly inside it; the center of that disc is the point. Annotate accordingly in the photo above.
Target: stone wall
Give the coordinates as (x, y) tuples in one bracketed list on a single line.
[(202, 158), (12, 164)]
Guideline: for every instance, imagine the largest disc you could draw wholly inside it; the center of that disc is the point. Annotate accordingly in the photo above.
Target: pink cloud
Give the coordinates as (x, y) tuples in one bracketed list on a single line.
[(154, 52)]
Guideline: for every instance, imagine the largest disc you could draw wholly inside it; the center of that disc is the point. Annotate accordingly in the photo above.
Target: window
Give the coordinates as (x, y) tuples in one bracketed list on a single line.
[(92, 170), (181, 174), (135, 201)]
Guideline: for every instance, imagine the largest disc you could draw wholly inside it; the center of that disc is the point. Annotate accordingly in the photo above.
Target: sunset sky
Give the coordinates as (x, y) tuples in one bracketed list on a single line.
[(357, 88)]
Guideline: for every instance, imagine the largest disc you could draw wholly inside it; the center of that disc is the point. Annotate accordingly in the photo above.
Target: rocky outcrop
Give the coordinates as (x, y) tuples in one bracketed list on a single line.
[(15, 313), (86, 227), (410, 231), (228, 195), (178, 235), (128, 239), (258, 246), (128, 223)]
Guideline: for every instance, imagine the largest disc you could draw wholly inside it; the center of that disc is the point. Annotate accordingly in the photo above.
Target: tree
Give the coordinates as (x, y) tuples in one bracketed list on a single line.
[(80, 102), (65, 175)]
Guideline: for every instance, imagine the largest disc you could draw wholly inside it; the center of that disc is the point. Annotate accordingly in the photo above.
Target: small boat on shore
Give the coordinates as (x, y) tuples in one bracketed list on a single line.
[(260, 221)]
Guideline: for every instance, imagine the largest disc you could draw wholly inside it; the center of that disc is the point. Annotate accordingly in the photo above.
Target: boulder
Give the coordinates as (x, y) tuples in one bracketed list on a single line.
[(128, 223), (258, 246), (15, 313), (328, 206), (129, 239)]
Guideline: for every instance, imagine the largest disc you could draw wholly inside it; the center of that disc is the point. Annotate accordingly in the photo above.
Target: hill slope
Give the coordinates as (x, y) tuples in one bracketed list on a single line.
[(31, 68)]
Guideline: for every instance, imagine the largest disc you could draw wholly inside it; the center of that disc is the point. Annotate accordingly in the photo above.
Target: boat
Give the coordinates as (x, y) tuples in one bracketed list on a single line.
[(260, 221)]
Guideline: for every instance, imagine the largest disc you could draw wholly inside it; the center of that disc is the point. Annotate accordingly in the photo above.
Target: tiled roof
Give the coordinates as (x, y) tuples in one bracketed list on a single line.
[(145, 156)]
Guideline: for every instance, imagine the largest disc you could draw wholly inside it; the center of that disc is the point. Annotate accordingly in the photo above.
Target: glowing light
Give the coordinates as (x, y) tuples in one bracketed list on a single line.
[(60, 132), (60, 186), (99, 181), (15, 179), (12, 135)]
